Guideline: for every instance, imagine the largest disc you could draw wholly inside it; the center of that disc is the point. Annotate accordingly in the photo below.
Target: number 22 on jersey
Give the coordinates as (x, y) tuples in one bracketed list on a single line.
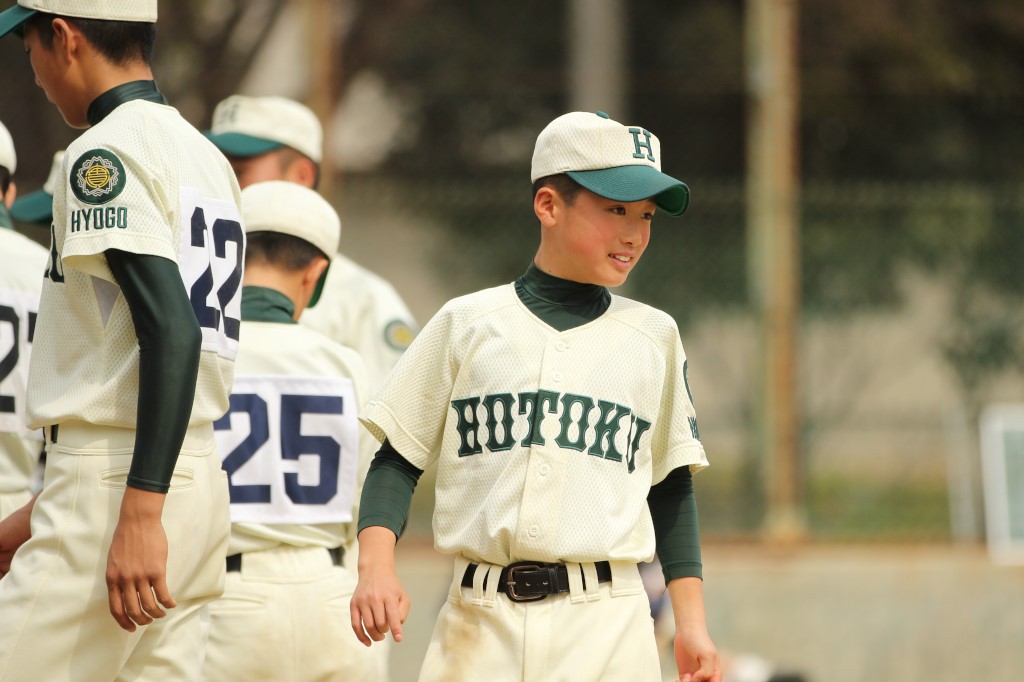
[(290, 447), (211, 256)]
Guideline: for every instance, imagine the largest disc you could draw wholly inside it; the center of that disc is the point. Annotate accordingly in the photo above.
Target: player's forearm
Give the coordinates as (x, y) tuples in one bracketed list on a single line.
[(376, 549), (687, 596), (169, 348)]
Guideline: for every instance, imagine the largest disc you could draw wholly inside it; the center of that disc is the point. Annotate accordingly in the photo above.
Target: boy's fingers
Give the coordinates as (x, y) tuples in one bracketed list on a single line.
[(163, 593), (116, 603), (356, 621), (395, 619)]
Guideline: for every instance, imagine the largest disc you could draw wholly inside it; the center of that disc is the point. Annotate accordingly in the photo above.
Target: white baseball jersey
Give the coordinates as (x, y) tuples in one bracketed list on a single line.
[(161, 189), (291, 439), (547, 442), (22, 263), (361, 310)]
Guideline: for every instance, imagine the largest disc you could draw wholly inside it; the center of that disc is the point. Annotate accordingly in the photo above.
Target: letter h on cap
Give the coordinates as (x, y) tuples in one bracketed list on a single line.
[(646, 144)]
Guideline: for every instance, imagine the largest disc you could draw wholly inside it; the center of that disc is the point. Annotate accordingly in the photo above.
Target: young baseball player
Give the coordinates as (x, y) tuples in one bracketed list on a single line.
[(37, 207), (120, 553), (273, 138), (22, 262), (292, 448), (564, 434)]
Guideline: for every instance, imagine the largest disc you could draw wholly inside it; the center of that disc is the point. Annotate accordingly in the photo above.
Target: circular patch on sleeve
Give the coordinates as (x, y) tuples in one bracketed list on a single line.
[(97, 176), (398, 334)]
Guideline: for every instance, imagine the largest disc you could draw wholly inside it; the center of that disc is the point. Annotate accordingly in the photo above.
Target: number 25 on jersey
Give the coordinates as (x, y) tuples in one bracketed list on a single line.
[(290, 447)]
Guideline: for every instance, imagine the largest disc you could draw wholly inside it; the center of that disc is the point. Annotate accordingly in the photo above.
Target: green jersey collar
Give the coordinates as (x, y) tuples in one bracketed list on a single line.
[(561, 303), (103, 105), (260, 304)]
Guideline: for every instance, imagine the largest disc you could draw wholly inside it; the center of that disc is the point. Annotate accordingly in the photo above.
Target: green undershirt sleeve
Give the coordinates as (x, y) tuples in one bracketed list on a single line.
[(387, 490), (169, 347), (676, 535)]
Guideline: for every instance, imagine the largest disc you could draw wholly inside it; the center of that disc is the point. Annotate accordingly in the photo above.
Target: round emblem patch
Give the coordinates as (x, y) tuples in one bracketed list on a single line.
[(398, 334), (97, 176)]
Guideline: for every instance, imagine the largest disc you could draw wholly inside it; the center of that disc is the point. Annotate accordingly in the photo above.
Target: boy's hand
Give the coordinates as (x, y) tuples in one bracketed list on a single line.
[(137, 561), (379, 603), (696, 656), (15, 530)]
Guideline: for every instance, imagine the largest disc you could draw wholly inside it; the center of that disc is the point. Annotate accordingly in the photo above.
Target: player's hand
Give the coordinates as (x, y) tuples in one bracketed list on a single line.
[(137, 561), (379, 603), (15, 530), (696, 656)]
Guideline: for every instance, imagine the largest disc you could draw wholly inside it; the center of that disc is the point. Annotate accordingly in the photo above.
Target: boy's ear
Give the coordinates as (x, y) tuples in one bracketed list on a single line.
[(311, 275), (12, 193), (546, 204), (65, 38)]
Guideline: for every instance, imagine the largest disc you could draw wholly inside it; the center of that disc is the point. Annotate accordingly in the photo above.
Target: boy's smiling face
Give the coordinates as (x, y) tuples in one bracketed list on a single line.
[(593, 241)]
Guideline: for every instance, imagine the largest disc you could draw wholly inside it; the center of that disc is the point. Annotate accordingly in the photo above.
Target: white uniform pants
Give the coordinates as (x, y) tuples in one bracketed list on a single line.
[(603, 632), (55, 623), (285, 618)]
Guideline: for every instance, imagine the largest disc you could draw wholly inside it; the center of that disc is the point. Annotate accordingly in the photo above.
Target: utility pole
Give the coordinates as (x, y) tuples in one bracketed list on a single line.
[(597, 54), (773, 207), (325, 61)]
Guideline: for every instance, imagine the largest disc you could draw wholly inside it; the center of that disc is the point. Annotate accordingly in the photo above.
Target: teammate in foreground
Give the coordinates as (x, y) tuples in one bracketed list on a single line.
[(273, 138), (564, 434), (22, 262), (37, 207), (284, 612), (124, 550)]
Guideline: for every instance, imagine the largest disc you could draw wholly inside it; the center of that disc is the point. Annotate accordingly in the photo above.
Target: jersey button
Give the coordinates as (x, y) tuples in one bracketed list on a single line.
[(557, 376), (561, 346), (543, 469), (534, 531)]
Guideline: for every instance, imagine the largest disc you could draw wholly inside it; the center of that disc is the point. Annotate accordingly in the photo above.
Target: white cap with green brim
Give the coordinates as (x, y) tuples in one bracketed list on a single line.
[(618, 162), (110, 10), (291, 209), (8, 158), (37, 206), (249, 126)]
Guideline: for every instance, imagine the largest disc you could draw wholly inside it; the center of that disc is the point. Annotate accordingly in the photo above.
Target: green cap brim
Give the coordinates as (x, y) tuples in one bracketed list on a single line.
[(34, 207), (241, 145), (13, 18), (315, 298), (636, 183)]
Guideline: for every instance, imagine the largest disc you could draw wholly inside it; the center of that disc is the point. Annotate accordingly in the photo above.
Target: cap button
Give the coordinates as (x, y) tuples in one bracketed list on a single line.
[(603, 115)]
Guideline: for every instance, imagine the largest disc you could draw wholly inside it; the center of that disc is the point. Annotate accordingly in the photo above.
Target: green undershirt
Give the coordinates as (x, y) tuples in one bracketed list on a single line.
[(169, 347), (563, 305), (260, 304)]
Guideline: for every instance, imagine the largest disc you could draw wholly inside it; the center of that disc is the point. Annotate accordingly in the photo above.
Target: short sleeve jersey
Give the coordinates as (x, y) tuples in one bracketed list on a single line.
[(286, 350), (22, 263), (547, 443), (144, 181), (361, 310)]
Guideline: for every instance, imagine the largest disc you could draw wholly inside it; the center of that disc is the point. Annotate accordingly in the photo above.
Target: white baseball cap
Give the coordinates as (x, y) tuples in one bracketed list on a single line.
[(289, 208), (8, 157), (618, 162), (249, 126), (37, 206), (111, 10)]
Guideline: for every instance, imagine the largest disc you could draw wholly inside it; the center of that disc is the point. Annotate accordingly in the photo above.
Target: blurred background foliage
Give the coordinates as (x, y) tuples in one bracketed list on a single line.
[(911, 207)]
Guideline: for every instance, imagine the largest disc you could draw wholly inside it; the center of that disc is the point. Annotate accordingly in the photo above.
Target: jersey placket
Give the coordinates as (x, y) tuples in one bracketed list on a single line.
[(540, 508)]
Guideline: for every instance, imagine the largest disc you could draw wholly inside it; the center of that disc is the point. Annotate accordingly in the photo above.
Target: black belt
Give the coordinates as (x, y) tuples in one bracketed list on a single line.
[(534, 580), (234, 561)]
